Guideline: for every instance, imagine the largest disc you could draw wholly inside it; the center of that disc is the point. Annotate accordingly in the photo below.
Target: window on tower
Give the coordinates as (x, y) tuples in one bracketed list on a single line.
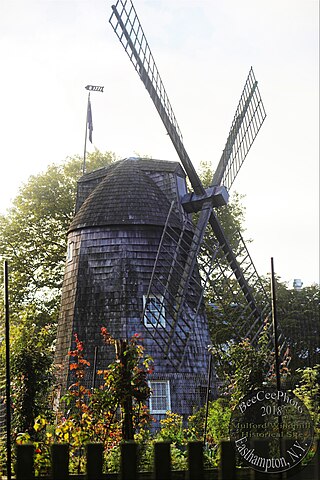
[(159, 401), (154, 311), (70, 252), (181, 185)]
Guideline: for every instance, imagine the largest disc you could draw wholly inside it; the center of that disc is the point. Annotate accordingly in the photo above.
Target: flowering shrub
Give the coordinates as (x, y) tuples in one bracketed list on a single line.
[(116, 411)]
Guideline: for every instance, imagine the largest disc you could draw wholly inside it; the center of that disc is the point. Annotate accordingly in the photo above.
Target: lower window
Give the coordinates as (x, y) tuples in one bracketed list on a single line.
[(160, 396)]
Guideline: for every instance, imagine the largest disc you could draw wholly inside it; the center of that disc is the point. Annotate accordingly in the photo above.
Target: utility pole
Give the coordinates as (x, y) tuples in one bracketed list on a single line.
[(275, 325)]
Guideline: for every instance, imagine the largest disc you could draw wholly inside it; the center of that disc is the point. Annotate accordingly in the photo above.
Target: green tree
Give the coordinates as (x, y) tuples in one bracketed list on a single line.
[(308, 390), (299, 317), (33, 232), (31, 370), (33, 240), (242, 368), (219, 413)]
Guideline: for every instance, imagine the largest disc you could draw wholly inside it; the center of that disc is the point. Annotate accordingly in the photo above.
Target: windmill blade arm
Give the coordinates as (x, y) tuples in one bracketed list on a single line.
[(231, 257), (128, 29), (248, 119)]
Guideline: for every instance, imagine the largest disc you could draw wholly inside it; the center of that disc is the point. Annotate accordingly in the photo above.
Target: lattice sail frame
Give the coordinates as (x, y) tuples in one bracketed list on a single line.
[(183, 302), (223, 284), (248, 119), (144, 63), (126, 25), (179, 295), (138, 50)]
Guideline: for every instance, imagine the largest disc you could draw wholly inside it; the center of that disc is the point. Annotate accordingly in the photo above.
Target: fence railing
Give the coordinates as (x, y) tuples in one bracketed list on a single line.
[(24, 468)]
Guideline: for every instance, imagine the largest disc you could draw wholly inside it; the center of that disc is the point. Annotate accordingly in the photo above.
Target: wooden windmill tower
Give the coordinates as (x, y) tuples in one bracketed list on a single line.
[(137, 260)]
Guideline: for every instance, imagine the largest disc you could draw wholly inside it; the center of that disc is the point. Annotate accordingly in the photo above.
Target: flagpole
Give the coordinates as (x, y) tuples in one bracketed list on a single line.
[(85, 139)]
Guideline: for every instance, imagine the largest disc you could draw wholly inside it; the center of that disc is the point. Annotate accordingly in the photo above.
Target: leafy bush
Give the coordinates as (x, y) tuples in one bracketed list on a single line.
[(31, 371), (94, 416), (308, 391)]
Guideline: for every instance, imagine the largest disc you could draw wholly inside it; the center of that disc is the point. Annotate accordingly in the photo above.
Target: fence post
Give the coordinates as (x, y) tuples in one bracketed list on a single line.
[(195, 461), (129, 470), (60, 461), (227, 467), (25, 462), (94, 454), (162, 461)]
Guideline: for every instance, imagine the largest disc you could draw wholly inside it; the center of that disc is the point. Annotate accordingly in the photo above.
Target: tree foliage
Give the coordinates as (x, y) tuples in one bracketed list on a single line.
[(33, 240), (33, 232), (31, 370), (308, 390), (93, 416), (125, 383), (299, 316), (242, 368)]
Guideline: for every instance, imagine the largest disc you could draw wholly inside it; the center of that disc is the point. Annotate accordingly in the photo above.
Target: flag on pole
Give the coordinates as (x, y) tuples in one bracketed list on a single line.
[(89, 119)]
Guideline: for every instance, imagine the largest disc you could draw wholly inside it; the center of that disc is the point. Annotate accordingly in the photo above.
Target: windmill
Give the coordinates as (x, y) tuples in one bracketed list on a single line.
[(139, 259)]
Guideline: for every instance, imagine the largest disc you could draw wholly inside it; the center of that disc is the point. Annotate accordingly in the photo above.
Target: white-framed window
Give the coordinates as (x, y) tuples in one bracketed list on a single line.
[(181, 185), (159, 401), (70, 251), (154, 311)]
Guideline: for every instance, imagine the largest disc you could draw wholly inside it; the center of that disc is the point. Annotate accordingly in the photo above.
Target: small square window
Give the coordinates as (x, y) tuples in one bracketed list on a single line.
[(154, 311), (159, 401)]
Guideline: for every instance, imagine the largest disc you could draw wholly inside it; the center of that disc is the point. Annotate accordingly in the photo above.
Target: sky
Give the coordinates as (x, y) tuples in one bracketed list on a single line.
[(51, 49)]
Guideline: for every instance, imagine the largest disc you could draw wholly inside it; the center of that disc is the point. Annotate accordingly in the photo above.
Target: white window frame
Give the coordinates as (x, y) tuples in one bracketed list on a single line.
[(151, 384), (159, 318), (70, 248)]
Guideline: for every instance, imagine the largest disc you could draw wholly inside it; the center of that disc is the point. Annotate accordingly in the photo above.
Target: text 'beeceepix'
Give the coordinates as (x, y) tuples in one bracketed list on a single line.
[(261, 396)]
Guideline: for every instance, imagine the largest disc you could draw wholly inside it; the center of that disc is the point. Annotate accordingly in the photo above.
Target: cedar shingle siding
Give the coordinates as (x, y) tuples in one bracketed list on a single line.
[(120, 214)]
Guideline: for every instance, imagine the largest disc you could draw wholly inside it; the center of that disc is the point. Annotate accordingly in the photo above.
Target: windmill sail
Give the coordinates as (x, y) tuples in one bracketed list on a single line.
[(126, 25), (213, 276), (248, 119), (180, 295)]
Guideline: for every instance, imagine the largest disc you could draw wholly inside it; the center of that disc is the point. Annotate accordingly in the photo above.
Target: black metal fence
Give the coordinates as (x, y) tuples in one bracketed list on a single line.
[(24, 468)]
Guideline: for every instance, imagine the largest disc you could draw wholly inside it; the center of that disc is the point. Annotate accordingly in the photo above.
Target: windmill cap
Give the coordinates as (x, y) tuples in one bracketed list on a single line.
[(126, 195)]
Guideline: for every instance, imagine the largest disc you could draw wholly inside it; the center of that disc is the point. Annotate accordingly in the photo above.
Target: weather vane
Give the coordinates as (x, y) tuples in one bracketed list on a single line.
[(94, 88)]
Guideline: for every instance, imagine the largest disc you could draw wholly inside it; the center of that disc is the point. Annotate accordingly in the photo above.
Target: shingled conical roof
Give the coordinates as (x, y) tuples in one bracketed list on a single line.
[(125, 196)]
